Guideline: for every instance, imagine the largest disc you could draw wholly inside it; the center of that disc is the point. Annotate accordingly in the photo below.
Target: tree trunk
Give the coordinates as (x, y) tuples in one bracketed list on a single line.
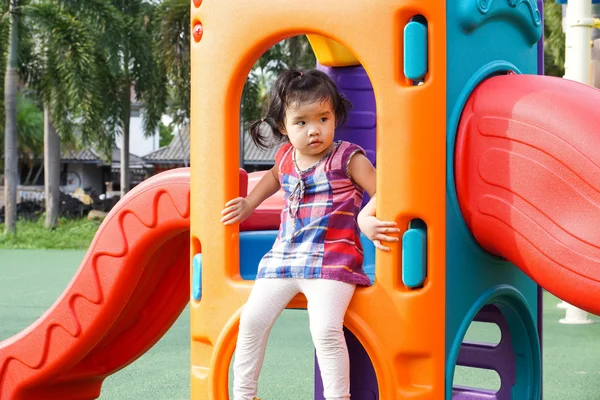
[(295, 48), (10, 140), (39, 171), (51, 171), (29, 173), (125, 150)]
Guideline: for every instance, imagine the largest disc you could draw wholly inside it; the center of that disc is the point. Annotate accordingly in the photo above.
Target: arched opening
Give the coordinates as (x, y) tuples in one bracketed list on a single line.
[(294, 368), (288, 367), (480, 379), (481, 337), (360, 128), (498, 356), (291, 368)]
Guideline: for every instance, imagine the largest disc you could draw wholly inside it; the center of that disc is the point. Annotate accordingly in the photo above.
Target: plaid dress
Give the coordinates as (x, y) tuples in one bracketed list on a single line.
[(318, 236)]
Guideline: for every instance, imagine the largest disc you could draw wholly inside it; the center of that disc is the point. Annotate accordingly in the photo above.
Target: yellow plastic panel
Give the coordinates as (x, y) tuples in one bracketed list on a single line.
[(330, 53)]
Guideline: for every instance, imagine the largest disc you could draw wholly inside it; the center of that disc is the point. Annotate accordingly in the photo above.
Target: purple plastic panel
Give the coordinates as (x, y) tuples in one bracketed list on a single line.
[(363, 382), (540, 310), (462, 393), (354, 83), (500, 358), (360, 128)]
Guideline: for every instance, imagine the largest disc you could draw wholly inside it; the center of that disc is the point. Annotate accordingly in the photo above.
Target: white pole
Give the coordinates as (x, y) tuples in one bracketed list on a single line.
[(578, 55), (578, 41), (563, 304)]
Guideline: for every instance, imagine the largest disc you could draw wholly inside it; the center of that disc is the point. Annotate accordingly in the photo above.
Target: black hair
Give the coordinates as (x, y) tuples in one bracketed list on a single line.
[(296, 86)]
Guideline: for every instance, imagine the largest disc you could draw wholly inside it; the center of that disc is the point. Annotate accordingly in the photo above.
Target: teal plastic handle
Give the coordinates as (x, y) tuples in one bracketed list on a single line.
[(415, 51), (197, 277), (414, 255)]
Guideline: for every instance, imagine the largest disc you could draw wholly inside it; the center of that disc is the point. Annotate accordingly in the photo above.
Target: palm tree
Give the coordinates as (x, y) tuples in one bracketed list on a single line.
[(139, 73), (174, 54), (11, 80), (67, 73), (59, 72)]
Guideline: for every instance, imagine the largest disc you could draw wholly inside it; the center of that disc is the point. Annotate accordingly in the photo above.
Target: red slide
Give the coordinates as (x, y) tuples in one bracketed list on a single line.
[(130, 288), (132, 285), (527, 170)]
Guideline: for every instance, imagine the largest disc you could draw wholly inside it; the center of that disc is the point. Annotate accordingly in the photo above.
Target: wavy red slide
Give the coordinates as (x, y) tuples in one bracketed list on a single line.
[(527, 171), (132, 285)]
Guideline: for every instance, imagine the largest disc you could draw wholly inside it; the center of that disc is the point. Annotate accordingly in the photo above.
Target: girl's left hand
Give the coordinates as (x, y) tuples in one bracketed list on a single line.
[(378, 230)]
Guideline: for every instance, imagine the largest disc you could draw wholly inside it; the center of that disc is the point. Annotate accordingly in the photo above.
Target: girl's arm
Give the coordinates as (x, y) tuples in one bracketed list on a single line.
[(363, 174), (240, 208)]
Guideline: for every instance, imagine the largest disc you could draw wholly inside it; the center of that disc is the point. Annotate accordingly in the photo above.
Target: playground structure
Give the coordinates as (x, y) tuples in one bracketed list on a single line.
[(491, 171)]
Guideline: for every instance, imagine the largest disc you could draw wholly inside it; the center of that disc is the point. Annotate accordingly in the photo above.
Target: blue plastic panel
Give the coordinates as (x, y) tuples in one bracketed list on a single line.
[(255, 244), (369, 257)]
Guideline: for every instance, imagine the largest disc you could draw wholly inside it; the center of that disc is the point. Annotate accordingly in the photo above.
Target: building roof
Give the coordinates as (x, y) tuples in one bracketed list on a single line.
[(178, 151), (255, 155), (91, 156), (135, 162), (85, 156)]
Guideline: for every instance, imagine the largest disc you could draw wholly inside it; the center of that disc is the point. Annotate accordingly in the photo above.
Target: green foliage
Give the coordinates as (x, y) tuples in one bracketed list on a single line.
[(554, 39), (30, 127), (65, 71), (173, 38), (147, 74), (294, 52), (70, 234), (166, 134), (173, 52), (30, 130), (90, 54)]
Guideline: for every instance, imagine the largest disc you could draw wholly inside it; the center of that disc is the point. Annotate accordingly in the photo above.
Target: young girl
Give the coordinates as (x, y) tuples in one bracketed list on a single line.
[(317, 251)]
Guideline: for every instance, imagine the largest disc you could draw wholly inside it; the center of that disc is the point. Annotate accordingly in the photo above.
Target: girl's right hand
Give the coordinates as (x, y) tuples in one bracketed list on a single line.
[(236, 210)]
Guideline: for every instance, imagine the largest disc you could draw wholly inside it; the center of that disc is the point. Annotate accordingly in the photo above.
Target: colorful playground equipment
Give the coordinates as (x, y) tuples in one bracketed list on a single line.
[(492, 172)]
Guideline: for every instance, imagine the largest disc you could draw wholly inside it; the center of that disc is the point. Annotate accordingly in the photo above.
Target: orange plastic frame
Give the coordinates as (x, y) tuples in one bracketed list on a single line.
[(402, 330)]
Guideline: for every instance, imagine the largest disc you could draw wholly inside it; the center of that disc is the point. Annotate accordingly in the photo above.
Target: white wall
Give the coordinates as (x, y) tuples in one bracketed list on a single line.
[(84, 176), (138, 143)]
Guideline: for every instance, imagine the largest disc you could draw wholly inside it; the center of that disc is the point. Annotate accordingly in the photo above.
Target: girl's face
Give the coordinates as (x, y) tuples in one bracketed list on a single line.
[(310, 128)]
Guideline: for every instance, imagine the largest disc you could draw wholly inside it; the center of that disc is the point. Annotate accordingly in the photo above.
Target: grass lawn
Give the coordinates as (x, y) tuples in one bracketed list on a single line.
[(31, 280), (70, 234)]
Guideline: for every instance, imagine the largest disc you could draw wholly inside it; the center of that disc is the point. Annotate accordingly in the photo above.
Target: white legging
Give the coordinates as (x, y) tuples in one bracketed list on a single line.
[(327, 304)]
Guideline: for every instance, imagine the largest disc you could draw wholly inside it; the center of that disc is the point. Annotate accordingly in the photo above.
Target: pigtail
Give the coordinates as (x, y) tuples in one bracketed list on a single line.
[(265, 133), (342, 108), (259, 133)]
